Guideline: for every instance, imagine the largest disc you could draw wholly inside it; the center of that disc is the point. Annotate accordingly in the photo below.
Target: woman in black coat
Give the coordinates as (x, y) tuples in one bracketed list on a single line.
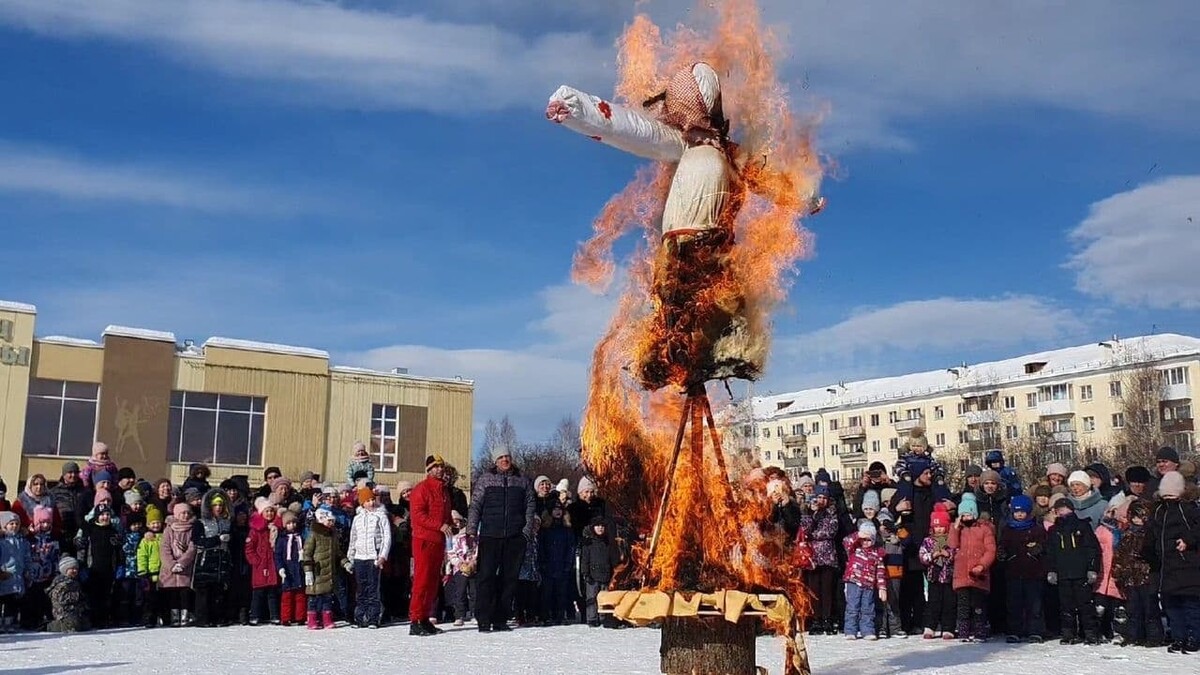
[(1173, 545)]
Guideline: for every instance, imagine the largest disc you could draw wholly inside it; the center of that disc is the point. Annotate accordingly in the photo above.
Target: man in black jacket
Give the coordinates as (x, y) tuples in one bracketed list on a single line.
[(502, 512)]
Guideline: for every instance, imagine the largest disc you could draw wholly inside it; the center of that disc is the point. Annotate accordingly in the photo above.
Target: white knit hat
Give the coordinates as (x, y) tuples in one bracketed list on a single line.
[(1171, 485), (563, 485), (1079, 477), (585, 483)]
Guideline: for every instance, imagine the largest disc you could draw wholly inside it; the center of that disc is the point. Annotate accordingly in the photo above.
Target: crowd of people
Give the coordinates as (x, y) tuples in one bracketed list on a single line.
[(1078, 555), (102, 547)]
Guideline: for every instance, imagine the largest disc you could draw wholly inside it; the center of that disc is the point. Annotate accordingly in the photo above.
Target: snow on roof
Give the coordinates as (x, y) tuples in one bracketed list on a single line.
[(11, 306), (250, 345), (64, 340), (1058, 364), (355, 370), (140, 333)]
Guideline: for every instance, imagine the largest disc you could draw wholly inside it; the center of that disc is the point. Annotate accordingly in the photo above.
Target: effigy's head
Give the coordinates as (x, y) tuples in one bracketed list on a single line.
[(693, 99)]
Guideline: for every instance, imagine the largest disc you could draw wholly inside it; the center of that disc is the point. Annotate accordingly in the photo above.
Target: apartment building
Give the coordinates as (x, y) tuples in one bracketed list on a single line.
[(1069, 403)]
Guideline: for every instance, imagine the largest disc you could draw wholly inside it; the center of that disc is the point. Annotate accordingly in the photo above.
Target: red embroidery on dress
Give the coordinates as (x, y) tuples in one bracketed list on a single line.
[(605, 109), (595, 138)]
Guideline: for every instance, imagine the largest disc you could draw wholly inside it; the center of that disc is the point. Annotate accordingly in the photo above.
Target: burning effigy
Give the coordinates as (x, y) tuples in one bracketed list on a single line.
[(734, 171)]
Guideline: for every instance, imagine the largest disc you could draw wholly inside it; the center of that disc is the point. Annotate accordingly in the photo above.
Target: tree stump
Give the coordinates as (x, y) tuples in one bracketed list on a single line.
[(707, 645)]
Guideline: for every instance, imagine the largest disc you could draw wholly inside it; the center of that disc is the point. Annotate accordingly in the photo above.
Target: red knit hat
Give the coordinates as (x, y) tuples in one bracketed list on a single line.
[(939, 517)]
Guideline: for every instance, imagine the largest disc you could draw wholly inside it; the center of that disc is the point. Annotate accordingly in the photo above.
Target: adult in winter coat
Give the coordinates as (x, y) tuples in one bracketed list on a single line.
[(502, 512), (992, 499), (66, 495), (34, 495), (1089, 504), (1102, 480), (556, 561), (1166, 460), (178, 554), (822, 532), (1174, 539), (875, 480), (588, 505), (915, 510), (430, 504), (197, 479), (975, 542), (322, 557), (211, 534)]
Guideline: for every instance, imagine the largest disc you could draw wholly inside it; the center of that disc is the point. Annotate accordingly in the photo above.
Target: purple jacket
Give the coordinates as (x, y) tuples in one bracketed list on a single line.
[(821, 533), (940, 571)]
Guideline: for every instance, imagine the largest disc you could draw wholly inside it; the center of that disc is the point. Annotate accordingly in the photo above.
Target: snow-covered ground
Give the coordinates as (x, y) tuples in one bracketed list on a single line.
[(275, 650)]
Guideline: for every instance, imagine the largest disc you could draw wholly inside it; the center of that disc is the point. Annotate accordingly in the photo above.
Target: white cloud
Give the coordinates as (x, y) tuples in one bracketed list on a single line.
[(366, 57), (939, 324), (37, 170), (1141, 247)]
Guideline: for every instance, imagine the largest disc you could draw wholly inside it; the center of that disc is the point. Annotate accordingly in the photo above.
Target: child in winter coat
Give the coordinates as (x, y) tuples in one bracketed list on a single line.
[(129, 598), (937, 555), (598, 557), (360, 466), (99, 547), (1073, 557), (975, 542), (1138, 620), (178, 554), (1022, 546), (820, 530), (260, 553), (66, 599), (212, 533), (370, 543), (994, 459), (1175, 540), (98, 463), (1108, 596), (556, 557), (14, 564), (322, 559), (288, 548), (915, 460), (44, 552), (865, 577), (462, 558), (149, 563), (887, 616)]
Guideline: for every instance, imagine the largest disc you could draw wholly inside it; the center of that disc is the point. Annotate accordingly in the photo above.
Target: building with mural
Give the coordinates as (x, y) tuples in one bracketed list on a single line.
[(238, 406)]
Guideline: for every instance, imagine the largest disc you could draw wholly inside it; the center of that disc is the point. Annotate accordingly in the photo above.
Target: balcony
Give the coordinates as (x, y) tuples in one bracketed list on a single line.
[(795, 441), (1177, 392), (1178, 426), (980, 417), (1060, 437), (854, 459), (852, 433), (800, 461), (904, 426), (1056, 407)]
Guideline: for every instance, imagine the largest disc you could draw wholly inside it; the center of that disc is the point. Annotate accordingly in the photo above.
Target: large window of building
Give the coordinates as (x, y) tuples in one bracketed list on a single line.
[(1089, 424), (1085, 392), (60, 418), (385, 436), (216, 428), (1118, 420), (1114, 389), (1175, 376)]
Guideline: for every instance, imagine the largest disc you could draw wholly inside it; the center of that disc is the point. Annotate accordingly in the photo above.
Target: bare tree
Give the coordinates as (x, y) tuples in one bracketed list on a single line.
[(495, 434), (1141, 435)]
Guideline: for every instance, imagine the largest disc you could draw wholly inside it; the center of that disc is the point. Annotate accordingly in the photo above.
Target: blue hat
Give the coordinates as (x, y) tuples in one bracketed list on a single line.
[(968, 507), (918, 466), (1022, 503), (822, 476), (821, 490), (994, 457), (102, 476)]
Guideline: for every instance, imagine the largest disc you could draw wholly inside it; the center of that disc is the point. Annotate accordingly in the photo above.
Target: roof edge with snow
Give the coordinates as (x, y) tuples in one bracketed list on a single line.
[(356, 370), (140, 333), (70, 341), (21, 307), (267, 347)]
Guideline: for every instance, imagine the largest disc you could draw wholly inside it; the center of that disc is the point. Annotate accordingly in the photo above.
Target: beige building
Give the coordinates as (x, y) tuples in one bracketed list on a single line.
[(1067, 403), (238, 406)]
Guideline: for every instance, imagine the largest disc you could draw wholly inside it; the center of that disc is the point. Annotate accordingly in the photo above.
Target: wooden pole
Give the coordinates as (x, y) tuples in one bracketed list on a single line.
[(666, 496)]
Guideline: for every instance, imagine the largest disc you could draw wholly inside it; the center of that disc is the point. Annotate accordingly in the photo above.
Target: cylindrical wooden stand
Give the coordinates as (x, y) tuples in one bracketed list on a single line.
[(707, 645)]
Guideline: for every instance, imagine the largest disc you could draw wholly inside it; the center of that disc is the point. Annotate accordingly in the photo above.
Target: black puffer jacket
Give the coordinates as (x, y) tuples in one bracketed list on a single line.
[(211, 536), (598, 557), (502, 505), (1178, 571), (1072, 549)]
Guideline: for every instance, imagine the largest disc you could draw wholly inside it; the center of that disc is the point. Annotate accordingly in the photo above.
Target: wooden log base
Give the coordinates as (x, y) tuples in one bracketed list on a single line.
[(708, 645)]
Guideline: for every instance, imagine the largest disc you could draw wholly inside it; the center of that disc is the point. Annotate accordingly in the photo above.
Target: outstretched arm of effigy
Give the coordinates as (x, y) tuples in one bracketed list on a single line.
[(623, 128), (777, 186)]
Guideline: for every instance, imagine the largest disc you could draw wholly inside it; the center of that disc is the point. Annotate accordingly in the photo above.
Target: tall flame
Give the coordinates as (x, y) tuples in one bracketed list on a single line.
[(715, 533)]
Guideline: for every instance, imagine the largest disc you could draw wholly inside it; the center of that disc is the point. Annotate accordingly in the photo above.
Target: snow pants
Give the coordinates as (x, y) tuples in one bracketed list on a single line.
[(1024, 598), (860, 611), (1076, 612), (1183, 617), (972, 614), (941, 610), (1140, 619), (368, 606), (426, 578)]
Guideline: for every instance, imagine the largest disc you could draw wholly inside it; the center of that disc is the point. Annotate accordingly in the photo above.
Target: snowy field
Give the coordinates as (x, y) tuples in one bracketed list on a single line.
[(272, 650)]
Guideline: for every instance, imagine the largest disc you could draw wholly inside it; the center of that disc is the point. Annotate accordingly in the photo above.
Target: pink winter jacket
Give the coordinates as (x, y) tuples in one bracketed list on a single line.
[(1107, 586), (864, 564)]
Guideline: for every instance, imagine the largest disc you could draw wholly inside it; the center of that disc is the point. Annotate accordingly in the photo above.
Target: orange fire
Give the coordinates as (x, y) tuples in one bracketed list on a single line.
[(716, 531)]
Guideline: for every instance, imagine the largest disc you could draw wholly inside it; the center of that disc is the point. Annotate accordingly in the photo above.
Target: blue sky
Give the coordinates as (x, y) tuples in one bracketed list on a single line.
[(374, 178)]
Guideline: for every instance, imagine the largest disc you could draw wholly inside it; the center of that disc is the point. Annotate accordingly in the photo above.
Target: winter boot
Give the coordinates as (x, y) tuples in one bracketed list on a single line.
[(817, 627), (312, 621), (185, 617), (176, 618), (327, 618)]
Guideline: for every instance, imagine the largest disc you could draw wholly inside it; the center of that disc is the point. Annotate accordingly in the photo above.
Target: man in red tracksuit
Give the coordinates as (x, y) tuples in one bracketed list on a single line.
[(430, 518)]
